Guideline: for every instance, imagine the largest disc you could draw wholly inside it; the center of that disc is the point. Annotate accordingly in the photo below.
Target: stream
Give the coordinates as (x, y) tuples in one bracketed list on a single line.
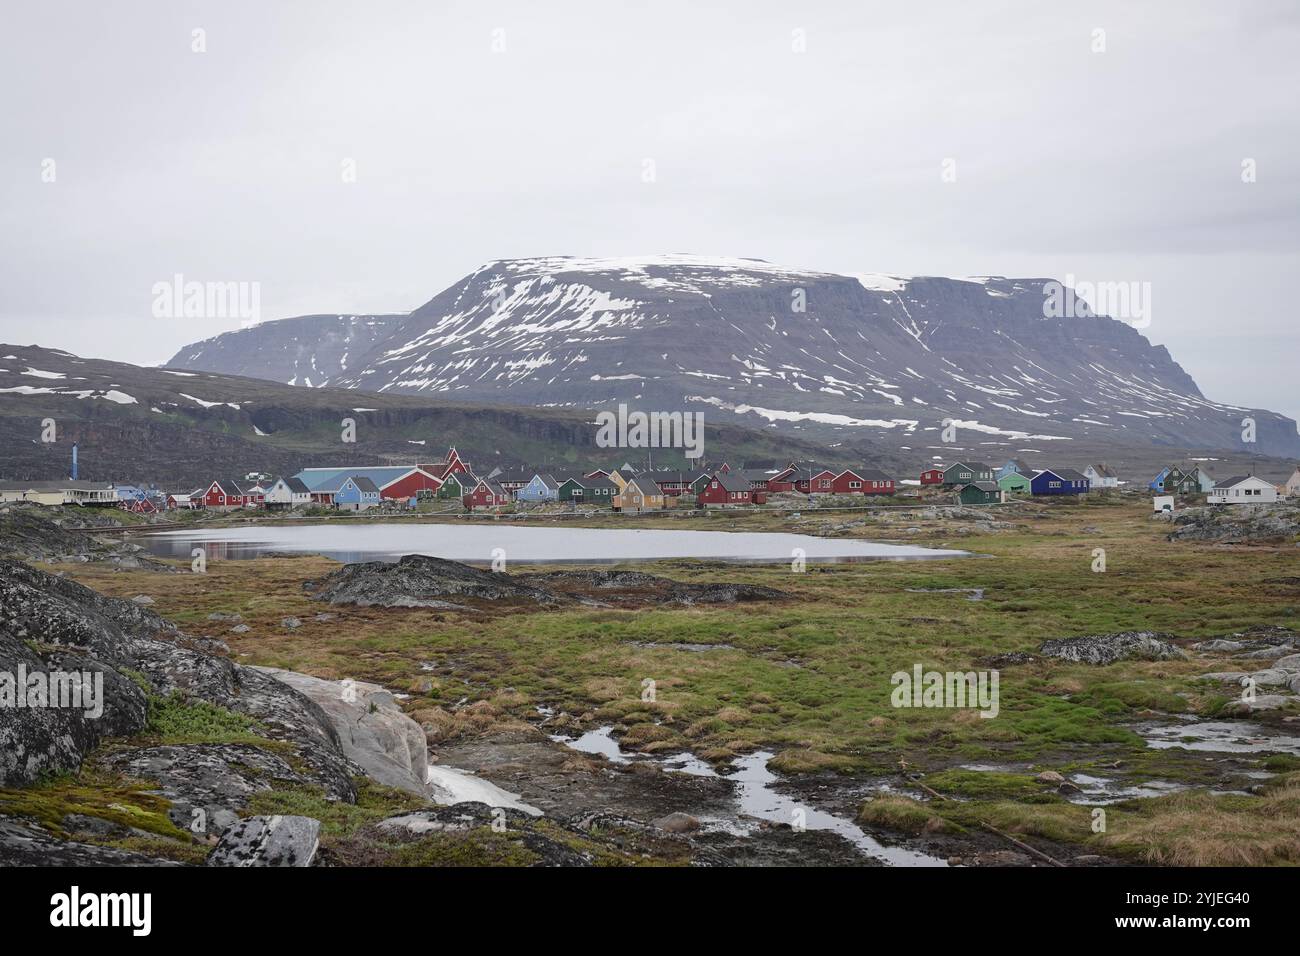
[(756, 797)]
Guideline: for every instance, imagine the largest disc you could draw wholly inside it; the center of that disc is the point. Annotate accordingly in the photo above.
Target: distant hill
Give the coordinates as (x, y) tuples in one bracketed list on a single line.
[(185, 427), (839, 358)]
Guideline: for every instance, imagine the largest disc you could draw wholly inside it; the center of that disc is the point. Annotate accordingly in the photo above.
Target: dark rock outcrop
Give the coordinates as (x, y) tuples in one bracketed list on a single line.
[(418, 580), (1109, 648)]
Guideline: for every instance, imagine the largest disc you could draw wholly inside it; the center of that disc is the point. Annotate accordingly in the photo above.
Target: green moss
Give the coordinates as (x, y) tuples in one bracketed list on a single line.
[(338, 819), (180, 720), (105, 797)]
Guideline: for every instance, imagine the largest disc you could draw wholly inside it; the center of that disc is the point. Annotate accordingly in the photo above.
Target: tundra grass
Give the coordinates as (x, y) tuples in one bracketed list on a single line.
[(809, 677)]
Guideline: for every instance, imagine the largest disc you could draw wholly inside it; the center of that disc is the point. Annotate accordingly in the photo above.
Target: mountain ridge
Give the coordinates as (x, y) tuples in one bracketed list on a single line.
[(891, 358)]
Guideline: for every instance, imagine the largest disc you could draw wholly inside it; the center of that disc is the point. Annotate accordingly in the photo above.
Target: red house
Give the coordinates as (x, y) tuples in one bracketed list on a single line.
[(411, 484), (486, 494), (724, 489), (932, 476), (782, 480), (818, 484), (224, 493), (862, 481)]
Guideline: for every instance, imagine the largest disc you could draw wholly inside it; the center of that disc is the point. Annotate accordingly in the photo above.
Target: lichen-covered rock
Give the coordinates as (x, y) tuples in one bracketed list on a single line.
[(268, 841), (26, 844), (1109, 648)]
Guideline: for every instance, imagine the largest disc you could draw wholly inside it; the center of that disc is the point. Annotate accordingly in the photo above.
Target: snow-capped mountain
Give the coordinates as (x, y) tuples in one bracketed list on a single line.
[(307, 350), (888, 358)]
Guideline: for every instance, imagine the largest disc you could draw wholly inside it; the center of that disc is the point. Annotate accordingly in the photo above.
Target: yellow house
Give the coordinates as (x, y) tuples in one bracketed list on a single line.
[(633, 497)]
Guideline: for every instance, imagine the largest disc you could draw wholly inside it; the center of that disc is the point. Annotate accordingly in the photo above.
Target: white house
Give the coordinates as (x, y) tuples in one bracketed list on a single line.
[(1243, 490), (287, 493), (1101, 476), (1291, 487)]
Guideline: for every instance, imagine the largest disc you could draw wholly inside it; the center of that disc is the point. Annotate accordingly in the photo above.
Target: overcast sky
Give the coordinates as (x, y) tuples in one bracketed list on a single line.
[(487, 130)]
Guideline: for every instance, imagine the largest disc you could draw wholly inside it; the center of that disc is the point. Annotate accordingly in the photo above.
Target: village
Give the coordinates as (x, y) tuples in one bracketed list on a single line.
[(453, 485)]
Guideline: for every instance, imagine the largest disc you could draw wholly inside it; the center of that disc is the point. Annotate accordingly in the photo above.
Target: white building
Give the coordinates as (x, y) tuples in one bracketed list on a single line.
[(1101, 476), (1243, 490), (287, 493), (1162, 503), (1291, 487)]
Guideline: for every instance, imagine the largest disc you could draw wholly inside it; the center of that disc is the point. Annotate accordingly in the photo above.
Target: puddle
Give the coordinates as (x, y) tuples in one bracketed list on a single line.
[(1222, 736), (1097, 791), (755, 797)]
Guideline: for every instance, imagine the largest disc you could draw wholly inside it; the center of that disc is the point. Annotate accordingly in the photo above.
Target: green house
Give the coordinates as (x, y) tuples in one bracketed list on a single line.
[(961, 473), (980, 493), (579, 488), (1015, 484), (457, 485)]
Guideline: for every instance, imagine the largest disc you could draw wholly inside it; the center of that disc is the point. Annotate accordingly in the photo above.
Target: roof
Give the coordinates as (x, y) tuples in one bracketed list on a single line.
[(1236, 480), (365, 484), (228, 487), (872, 474), (68, 485), (296, 484), (986, 486), (1069, 474), (1105, 471), (730, 481), (327, 479)]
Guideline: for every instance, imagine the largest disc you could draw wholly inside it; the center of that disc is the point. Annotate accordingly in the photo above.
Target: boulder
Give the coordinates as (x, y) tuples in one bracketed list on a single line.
[(268, 841), (1109, 648), (372, 729)]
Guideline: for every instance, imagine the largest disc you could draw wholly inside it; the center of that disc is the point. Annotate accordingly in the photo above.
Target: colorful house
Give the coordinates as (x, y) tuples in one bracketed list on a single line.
[(224, 495), (1013, 466), (725, 489), (539, 488), (932, 476), (356, 493), (816, 484), (597, 490), (457, 485), (1158, 482), (486, 493), (963, 473), (639, 494), (981, 493), (1015, 484), (1063, 481)]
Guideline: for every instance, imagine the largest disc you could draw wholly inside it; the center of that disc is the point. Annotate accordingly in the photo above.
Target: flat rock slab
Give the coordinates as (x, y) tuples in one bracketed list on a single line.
[(1109, 648), (268, 841)]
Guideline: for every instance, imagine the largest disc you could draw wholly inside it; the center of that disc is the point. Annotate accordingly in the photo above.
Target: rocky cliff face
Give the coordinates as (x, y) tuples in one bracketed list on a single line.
[(307, 350), (884, 358)]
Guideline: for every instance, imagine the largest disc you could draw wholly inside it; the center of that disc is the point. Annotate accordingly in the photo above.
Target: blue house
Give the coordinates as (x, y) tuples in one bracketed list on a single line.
[(1063, 481), (357, 493), (1013, 466), (1158, 482), (540, 488)]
